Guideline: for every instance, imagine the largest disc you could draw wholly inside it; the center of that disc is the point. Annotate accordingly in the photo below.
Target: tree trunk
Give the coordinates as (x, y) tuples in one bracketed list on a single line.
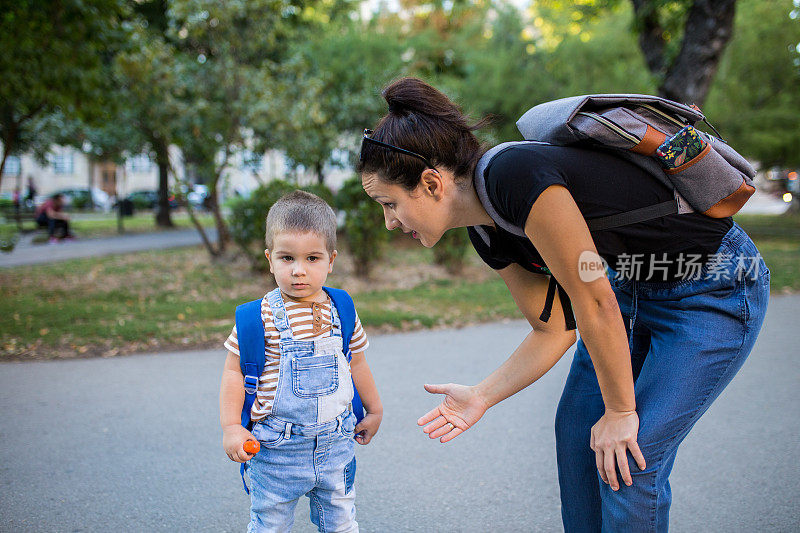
[(163, 218), (8, 144), (223, 235), (707, 31), (213, 252), (3, 164), (90, 205), (320, 176)]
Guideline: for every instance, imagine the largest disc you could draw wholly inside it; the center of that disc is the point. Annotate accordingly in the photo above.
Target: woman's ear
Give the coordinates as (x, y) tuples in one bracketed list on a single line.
[(432, 183)]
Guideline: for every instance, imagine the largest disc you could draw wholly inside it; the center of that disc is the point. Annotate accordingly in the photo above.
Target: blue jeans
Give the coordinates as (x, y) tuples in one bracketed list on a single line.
[(317, 461), (687, 340)]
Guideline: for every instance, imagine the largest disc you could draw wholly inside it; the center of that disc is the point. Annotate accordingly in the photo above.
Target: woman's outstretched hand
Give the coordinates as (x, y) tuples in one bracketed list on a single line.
[(612, 436), (461, 408)]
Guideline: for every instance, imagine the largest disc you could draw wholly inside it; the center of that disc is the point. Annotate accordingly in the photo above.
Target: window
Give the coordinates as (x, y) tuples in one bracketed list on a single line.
[(62, 163), (140, 163), (13, 166)]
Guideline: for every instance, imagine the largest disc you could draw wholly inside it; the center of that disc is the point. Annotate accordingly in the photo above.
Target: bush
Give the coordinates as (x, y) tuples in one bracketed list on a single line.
[(8, 237), (248, 216), (80, 200), (322, 191), (451, 250), (364, 228)]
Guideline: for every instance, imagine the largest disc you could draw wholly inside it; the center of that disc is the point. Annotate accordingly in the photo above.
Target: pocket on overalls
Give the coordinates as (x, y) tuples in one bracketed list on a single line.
[(348, 428), (315, 375), (349, 475), (267, 436)]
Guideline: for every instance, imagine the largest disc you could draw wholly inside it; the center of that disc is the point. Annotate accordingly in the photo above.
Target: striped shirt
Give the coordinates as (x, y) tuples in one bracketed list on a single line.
[(308, 321)]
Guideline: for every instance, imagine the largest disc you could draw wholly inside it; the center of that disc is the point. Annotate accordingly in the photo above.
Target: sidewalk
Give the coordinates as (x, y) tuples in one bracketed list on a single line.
[(27, 253), (133, 444), (762, 203)]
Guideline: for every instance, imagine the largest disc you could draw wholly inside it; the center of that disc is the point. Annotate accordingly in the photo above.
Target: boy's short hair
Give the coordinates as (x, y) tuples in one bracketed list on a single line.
[(302, 212)]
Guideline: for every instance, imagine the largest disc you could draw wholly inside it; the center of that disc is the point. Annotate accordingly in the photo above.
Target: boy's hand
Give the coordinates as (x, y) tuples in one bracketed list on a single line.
[(233, 439), (367, 428)]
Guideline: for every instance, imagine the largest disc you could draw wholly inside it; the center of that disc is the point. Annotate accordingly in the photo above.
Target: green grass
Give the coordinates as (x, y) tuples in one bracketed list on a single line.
[(771, 227), (778, 240), (169, 299), (437, 303), (142, 222)]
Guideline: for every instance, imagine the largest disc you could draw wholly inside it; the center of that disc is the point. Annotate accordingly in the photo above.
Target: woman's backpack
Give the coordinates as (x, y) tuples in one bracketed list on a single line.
[(656, 134)]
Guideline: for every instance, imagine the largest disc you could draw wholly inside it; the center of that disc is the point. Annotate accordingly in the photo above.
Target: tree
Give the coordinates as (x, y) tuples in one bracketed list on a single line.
[(55, 61), (682, 40), (229, 56), (328, 92), (708, 26), (513, 63), (755, 101), (147, 83)]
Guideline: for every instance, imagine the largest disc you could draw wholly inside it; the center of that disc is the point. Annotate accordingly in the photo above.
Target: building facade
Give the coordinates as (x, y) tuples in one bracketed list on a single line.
[(68, 168)]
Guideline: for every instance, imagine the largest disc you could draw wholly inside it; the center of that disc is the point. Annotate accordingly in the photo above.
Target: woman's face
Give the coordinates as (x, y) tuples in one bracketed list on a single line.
[(420, 212)]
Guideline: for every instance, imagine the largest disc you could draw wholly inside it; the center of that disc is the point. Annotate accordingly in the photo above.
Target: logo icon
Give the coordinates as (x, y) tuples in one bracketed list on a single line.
[(591, 266)]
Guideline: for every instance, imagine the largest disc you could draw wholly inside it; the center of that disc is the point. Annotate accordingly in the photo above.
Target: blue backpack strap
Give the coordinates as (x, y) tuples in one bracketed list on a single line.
[(250, 334), (347, 316)]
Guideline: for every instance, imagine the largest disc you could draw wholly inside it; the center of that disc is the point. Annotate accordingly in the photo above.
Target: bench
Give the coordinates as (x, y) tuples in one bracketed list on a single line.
[(21, 218)]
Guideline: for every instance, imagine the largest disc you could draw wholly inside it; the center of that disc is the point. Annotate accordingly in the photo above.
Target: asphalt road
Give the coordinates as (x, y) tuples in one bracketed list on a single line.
[(27, 253), (133, 444)]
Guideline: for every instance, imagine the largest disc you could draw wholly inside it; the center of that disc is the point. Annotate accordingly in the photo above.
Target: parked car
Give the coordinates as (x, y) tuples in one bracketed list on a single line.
[(79, 198), (143, 199), (148, 199), (198, 196)]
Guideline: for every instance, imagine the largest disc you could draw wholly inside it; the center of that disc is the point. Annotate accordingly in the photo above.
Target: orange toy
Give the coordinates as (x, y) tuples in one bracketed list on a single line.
[(252, 446)]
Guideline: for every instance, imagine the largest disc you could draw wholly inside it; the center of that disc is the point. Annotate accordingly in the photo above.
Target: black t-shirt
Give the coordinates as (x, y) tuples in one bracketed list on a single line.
[(663, 249)]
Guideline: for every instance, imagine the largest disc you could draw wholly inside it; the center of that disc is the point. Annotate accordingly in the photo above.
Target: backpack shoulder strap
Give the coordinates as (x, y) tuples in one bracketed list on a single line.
[(250, 334), (479, 180), (347, 316)]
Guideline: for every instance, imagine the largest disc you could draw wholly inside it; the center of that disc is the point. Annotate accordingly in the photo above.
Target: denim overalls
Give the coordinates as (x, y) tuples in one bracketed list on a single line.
[(687, 339), (307, 444)]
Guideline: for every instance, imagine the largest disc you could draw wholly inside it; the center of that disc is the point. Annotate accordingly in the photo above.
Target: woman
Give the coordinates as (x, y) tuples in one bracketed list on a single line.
[(653, 354)]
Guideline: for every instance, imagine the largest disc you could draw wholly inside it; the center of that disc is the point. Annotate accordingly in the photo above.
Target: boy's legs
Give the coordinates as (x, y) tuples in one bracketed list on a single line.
[(279, 475), (333, 498)]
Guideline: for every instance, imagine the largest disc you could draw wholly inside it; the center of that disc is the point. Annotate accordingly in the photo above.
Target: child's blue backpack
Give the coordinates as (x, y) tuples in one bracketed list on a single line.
[(250, 333)]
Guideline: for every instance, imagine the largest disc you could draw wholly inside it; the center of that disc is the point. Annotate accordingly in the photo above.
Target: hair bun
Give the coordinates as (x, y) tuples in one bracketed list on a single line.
[(395, 107)]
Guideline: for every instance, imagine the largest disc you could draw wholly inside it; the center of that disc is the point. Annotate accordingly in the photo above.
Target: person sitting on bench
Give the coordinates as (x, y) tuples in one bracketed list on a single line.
[(50, 215)]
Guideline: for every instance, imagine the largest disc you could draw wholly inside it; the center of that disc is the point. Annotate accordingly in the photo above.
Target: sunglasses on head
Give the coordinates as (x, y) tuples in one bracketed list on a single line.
[(368, 139)]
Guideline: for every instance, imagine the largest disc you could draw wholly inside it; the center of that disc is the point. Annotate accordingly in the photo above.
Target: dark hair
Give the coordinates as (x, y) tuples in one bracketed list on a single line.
[(425, 121)]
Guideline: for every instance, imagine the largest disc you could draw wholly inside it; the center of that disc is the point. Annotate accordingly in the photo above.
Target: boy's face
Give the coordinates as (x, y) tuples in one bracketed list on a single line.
[(300, 263)]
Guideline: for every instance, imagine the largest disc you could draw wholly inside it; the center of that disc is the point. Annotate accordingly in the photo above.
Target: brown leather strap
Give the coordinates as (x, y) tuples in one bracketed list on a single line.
[(652, 139), (731, 203)]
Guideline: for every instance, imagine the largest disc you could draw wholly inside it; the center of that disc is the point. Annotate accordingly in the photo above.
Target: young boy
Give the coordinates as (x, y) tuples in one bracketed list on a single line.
[(302, 414)]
